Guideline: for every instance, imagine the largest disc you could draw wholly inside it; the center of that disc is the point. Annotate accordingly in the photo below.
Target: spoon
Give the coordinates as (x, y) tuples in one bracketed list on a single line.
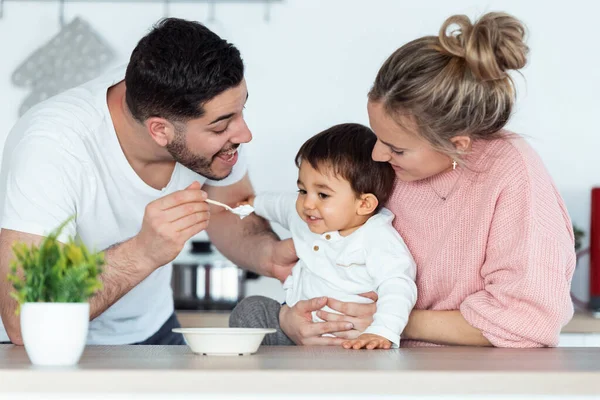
[(242, 211)]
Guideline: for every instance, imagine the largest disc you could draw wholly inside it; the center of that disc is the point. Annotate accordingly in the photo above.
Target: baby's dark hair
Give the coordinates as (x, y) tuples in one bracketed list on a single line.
[(346, 150)]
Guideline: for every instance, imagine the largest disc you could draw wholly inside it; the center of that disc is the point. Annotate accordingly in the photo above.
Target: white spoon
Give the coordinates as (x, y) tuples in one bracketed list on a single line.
[(242, 211)]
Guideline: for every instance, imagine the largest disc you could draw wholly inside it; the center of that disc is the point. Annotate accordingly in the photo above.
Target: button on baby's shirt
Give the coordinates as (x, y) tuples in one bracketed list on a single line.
[(316, 248), (331, 236)]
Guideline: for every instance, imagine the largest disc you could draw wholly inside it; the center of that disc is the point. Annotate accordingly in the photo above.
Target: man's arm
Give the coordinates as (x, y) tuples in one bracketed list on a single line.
[(249, 243), (168, 223)]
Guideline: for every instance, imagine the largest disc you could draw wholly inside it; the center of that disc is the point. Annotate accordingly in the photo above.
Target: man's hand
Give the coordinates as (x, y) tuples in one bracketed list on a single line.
[(282, 259), (169, 222), (368, 341)]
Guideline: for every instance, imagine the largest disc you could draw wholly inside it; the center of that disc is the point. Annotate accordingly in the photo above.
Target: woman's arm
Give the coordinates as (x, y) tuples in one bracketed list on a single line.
[(440, 327), (443, 327)]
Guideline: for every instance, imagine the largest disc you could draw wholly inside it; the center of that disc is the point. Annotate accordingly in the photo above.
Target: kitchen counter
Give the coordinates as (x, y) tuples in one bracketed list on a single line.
[(304, 370)]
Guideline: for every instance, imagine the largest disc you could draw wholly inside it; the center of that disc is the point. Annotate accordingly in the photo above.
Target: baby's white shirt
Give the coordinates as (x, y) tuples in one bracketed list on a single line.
[(372, 258)]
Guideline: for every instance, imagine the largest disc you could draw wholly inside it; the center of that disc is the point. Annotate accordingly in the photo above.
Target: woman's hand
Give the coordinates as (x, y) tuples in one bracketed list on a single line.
[(297, 323), (358, 314), (368, 341)]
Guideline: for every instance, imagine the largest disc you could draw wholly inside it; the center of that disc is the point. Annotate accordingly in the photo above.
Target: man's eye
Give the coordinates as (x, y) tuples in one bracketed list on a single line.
[(222, 130), (323, 196)]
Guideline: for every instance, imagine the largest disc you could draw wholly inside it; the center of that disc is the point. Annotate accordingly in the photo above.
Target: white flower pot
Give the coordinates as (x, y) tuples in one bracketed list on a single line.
[(54, 333)]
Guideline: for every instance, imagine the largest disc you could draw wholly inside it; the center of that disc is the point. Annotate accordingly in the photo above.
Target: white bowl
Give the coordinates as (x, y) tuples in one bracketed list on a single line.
[(223, 341)]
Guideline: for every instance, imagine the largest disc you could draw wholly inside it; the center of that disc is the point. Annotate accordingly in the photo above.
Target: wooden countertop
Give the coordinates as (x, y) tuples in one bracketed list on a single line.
[(304, 370), (581, 322)]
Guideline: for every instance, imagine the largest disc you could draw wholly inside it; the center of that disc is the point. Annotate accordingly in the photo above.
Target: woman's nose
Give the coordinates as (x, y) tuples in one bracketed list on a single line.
[(380, 153)]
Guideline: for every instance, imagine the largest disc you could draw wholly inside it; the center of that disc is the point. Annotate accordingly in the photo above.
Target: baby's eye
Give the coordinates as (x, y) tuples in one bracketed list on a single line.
[(302, 191), (323, 196)]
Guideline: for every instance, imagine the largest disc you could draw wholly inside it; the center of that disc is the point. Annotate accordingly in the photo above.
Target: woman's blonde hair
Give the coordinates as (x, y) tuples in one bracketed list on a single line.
[(456, 83)]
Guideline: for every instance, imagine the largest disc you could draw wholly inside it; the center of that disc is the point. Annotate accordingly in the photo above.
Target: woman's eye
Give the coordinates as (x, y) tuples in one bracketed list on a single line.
[(398, 152), (323, 196)]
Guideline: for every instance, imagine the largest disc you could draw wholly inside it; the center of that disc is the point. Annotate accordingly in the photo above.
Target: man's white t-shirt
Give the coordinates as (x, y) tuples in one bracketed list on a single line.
[(63, 158)]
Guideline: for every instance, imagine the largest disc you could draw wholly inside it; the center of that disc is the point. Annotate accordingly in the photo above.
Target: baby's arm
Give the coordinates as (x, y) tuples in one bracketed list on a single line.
[(393, 270), (276, 207)]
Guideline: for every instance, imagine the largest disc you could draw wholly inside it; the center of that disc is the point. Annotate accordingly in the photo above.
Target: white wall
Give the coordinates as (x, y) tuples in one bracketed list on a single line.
[(313, 63)]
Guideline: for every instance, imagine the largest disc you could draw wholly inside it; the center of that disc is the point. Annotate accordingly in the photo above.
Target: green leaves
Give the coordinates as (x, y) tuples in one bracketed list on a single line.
[(55, 272)]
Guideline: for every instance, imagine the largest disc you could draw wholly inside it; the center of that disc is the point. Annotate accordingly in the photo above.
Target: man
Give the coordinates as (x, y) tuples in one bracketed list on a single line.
[(134, 155)]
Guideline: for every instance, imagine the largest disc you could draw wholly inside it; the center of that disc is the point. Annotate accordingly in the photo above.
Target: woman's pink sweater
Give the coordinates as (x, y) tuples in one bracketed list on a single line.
[(500, 247)]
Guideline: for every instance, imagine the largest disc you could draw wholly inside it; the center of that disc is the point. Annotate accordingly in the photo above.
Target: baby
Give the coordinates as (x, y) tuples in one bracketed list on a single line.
[(343, 236)]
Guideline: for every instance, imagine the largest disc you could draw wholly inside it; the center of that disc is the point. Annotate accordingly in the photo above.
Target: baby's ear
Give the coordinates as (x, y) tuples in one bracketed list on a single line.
[(367, 204)]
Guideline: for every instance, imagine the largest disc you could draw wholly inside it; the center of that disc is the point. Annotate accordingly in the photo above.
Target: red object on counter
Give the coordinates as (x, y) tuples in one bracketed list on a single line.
[(595, 250)]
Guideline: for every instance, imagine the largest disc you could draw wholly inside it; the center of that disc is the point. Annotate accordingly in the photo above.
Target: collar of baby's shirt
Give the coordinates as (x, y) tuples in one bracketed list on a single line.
[(383, 216)]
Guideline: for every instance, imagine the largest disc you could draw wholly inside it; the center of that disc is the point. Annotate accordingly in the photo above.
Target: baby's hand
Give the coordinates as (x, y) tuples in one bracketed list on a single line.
[(248, 201), (368, 341)]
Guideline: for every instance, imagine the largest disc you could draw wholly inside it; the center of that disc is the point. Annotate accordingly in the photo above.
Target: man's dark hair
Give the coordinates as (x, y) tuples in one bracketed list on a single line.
[(345, 150), (178, 67)]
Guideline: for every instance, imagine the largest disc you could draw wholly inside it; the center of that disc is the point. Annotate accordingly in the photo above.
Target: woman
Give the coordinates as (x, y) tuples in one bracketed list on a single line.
[(489, 231)]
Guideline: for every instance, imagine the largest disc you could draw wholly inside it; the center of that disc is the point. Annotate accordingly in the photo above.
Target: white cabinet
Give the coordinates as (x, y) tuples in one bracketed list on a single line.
[(579, 340)]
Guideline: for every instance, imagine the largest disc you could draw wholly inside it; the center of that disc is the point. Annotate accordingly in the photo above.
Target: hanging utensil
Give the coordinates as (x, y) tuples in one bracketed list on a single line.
[(75, 55)]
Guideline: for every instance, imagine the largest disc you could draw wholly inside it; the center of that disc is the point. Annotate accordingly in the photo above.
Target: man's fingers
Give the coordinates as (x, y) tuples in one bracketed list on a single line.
[(182, 197), (183, 210), (191, 220), (187, 234)]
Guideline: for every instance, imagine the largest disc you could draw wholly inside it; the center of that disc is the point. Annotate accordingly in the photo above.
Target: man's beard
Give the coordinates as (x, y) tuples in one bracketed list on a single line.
[(200, 165)]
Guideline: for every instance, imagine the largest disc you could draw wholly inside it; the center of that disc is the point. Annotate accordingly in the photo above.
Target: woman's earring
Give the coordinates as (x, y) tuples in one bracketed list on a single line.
[(454, 164)]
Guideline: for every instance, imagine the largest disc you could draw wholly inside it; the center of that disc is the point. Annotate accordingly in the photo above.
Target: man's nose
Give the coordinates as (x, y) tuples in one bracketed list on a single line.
[(242, 134)]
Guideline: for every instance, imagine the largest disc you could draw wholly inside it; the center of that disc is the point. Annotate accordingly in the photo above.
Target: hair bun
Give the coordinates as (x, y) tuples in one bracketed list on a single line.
[(490, 47)]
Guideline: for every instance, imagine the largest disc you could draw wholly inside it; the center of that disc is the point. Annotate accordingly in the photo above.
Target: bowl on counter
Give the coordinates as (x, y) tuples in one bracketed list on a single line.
[(224, 341)]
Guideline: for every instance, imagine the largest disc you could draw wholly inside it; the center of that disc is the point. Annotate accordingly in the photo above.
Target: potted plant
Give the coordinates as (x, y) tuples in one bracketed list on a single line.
[(53, 283)]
